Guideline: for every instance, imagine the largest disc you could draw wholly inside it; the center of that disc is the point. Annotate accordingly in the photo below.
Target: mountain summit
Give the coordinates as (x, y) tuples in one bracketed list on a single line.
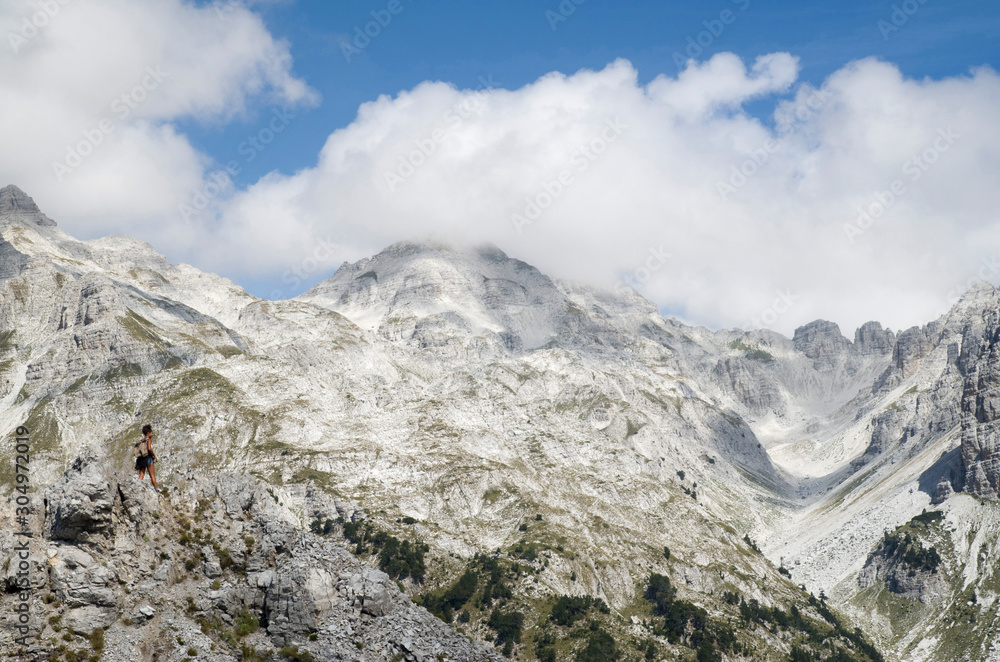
[(16, 204)]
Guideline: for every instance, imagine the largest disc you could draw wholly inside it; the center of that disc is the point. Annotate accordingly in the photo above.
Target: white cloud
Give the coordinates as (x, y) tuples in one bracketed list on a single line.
[(626, 172), (780, 235), (92, 91)]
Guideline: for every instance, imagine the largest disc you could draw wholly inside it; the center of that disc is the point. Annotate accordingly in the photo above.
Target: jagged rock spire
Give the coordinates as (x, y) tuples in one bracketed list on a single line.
[(15, 202)]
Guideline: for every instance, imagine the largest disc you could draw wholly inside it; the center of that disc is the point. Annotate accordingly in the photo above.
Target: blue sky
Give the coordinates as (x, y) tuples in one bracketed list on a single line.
[(874, 199), (512, 43)]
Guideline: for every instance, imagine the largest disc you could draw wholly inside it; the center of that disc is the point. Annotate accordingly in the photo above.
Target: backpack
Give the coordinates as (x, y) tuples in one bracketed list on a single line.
[(142, 448)]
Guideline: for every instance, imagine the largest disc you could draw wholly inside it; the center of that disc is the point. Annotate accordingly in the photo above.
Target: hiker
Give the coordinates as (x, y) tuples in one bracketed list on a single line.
[(144, 455)]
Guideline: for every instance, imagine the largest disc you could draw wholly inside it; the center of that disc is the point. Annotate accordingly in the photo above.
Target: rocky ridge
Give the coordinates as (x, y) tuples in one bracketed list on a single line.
[(212, 565)]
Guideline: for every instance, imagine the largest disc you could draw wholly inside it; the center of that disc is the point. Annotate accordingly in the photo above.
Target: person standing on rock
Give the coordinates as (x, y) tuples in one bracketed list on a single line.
[(144, 455)]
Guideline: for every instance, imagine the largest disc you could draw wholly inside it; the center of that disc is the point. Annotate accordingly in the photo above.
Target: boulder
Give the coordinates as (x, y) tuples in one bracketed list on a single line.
[(80, 506)]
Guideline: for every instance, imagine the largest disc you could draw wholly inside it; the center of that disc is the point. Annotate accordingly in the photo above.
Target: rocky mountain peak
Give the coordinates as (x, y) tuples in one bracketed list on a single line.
[(871, 339), (433, 295), (821, 341), (16, 203)]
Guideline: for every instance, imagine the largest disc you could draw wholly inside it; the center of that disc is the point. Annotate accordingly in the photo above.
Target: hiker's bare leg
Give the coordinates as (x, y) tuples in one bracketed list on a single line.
[(152, 477), (142, 474)]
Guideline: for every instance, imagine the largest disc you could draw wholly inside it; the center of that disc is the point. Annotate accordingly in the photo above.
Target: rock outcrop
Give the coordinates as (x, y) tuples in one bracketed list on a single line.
[(895, 564), (749, 384), (16, 204), (871, 339), (981, 415), (822, 342), (214, 565)]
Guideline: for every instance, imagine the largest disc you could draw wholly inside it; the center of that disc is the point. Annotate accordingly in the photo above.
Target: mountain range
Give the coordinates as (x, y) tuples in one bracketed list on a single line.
[(573, 437)]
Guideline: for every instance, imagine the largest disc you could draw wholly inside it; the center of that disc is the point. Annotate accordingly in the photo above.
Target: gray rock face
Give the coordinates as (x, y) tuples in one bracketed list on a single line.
[(981, 415), (80, 507), (749, 384), (79, 580), (911, 347), (15, 203), (871, 339), (821, 341), (901, 578)]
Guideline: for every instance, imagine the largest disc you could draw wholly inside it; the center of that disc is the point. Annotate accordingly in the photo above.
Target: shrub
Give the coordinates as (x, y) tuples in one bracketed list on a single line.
[(225, 557), (246, 623), (97, 639), (293, 653), (567, 610), (600, 647), (507, 625), (708, 653), (660, 592), (250, 654)]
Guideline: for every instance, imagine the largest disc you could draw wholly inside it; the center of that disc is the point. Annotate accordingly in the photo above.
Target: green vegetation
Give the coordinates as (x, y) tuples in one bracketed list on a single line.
[(759, 355), (444, 604), (508, 626), (910, 552), (140, 328), (567, 610), (398, 559), (246, 623), (229, 351), (123, 371), (927, 517), (752, 352), (295, 655), (600, 647), (97, 640)]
